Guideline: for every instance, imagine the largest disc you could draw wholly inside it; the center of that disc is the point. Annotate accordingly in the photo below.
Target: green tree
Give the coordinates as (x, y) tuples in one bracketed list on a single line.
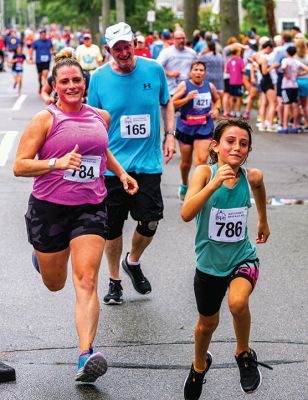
[(136, 14), (209, 21), (76, 13), (166, 19), (229, 19), (255, 15)]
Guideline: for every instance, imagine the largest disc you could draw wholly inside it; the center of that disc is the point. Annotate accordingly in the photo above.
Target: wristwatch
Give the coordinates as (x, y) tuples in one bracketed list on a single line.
[(170, 133), (52, 164)]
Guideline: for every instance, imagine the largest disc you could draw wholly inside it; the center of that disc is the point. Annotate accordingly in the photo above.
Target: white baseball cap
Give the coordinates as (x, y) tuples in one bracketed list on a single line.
[(140, 38), (117, 32)]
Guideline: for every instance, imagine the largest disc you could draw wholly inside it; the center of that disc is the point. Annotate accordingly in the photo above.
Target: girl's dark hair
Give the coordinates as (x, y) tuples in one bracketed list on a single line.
[(65, 58), (222, 125), (212, 47), (268, 43), (291, 51), (197, 62)]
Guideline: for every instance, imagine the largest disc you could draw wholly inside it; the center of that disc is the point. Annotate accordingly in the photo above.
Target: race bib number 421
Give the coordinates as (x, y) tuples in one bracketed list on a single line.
[(135, 126), (89, 170), (228, 225), (202, 100)]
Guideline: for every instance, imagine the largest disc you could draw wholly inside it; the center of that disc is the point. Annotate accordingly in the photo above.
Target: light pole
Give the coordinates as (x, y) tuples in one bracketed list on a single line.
[(1, 15)]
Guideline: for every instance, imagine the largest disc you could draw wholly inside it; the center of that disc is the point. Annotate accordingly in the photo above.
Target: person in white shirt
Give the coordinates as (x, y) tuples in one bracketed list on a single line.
[(89, 55), (176, 61), (291, 68)]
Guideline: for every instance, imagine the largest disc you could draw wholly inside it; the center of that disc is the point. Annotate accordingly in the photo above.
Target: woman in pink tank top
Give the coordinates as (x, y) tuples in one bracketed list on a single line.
[(66, 213)]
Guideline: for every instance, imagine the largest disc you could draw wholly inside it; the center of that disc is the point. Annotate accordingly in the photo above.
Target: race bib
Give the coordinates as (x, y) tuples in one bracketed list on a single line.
[(89, 170), (44, 58), (202, 100), (228, 225), (135, 126)]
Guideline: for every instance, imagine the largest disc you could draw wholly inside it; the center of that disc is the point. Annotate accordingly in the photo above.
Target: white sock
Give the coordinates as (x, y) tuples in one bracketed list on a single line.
[(132, 262)]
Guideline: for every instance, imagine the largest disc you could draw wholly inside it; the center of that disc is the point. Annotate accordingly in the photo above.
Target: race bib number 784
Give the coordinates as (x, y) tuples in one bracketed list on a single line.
[(89, 170), (228, 224)]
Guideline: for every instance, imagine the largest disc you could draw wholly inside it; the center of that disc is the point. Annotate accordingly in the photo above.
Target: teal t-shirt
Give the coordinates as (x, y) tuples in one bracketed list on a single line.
[(221, 240), (133, 101)]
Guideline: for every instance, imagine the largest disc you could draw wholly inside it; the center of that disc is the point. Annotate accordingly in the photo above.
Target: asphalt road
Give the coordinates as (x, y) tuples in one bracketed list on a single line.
[(148, 341)]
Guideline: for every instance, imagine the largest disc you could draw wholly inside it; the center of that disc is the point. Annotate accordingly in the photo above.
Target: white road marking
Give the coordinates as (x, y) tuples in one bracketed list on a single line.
[(6, 145), (18, 102)]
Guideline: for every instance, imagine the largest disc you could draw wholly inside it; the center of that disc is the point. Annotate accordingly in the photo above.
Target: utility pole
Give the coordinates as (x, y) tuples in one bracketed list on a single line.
[(229, 17), (1, 15), (191, 18), (105, 14), (120, 9)]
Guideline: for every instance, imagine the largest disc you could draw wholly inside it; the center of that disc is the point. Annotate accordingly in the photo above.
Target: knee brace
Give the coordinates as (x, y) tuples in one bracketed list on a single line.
[(147, 228)]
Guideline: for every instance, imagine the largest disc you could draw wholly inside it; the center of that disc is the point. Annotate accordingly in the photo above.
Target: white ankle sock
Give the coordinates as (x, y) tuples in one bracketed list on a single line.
[(132, 262)]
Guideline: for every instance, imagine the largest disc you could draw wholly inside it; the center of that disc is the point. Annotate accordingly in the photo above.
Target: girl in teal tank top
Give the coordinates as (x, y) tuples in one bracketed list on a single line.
[(219, 198)]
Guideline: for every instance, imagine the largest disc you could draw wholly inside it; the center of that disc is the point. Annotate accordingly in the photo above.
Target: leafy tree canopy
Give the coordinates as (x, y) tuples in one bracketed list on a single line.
[(255, 15)]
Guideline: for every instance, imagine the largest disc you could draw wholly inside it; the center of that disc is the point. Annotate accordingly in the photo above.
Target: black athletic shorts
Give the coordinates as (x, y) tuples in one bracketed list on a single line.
[(227, 85), (279, 83), (266, 84), (289, 96), (145, 205), (52, 226), (210, 290), (188, 139), (42, 66), (236, 90)]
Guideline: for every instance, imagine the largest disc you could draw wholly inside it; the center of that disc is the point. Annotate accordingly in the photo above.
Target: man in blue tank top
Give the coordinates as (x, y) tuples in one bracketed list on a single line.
[(132, 89), (43, 52)]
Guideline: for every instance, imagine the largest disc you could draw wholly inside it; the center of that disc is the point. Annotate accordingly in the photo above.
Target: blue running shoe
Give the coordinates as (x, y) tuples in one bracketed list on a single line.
[(294, 130), (283, 130), (182, 192), (35, 262), (91, 365)]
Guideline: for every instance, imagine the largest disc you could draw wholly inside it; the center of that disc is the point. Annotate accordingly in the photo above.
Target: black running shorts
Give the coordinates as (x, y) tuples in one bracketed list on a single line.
[(289, 96), (51, 226), (236, 90), (189, 139), (145, 205), (210, 290), (42, 66)]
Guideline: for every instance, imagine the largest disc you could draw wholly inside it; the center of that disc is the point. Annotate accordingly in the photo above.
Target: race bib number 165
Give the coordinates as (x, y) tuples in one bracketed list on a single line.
[(135, 126)]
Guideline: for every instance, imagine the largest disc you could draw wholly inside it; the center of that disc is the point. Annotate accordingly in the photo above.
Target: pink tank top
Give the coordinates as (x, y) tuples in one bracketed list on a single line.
[(88, 129)]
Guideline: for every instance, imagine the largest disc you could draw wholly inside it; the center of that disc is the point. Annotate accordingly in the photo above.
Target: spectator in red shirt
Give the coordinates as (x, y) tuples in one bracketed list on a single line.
[(141, 49)]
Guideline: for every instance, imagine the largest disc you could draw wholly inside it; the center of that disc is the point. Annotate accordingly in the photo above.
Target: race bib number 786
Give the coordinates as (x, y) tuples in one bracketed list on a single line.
[(228, 225)]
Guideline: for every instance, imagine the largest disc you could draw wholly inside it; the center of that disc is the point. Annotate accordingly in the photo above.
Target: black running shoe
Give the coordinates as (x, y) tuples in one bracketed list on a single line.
[(114, 295), (194, 381), (139, 281), (250, 374)]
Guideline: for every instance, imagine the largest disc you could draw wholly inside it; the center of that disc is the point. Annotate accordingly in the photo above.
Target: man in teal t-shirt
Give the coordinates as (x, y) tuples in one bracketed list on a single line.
[(132, 89)]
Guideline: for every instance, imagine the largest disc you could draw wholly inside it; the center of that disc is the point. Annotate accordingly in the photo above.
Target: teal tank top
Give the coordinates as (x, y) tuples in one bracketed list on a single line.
[(221, 240)]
